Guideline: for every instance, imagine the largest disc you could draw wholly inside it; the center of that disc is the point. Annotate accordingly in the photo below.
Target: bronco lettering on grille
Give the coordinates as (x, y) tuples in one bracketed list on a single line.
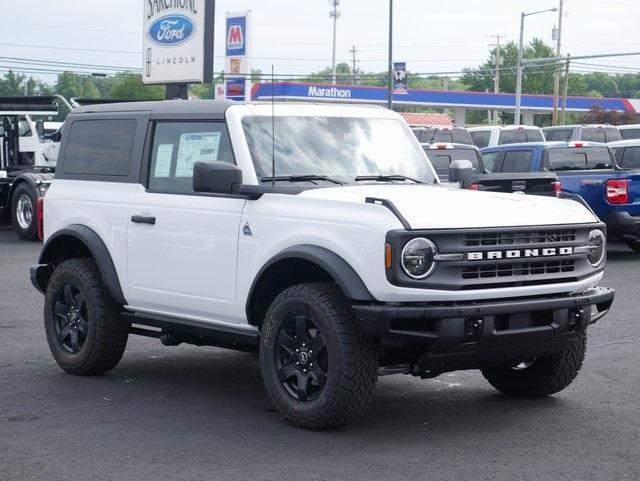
[(520, 253)]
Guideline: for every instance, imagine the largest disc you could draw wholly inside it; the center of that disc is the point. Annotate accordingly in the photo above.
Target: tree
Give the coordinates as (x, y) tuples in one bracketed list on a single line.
[(71, 85), (599, 115), (536, 79), (129, 86), (14, 85), (343, 75)]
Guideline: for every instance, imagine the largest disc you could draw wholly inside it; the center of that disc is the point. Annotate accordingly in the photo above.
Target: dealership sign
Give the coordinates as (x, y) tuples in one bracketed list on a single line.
[(178, 41), (237, 66)]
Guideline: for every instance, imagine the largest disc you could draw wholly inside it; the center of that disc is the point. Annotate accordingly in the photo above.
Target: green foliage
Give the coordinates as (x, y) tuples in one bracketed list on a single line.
[(129, 86)]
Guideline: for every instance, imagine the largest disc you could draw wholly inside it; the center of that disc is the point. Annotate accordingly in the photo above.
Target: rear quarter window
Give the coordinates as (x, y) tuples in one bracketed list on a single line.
[(441, 160), (100, 147), (570, 158)]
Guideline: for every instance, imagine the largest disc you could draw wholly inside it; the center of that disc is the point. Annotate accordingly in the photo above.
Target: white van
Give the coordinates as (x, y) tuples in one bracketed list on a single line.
[(492, 135)]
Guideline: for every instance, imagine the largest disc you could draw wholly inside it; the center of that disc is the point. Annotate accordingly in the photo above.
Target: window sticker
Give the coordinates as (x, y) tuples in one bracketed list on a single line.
[(163, 160), (196, 147)]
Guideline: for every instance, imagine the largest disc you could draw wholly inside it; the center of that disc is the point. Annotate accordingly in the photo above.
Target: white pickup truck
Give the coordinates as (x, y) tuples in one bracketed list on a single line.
[(319, 236)]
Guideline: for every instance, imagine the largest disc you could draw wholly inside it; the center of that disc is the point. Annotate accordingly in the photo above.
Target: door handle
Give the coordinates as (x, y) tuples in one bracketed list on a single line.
[(143, 219)]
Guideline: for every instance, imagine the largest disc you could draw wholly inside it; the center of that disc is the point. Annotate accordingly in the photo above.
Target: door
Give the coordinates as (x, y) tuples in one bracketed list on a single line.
[(182, 245)]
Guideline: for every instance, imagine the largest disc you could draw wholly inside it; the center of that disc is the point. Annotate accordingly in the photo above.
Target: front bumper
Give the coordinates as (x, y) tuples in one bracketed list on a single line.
[(622, 225), (472, 334)]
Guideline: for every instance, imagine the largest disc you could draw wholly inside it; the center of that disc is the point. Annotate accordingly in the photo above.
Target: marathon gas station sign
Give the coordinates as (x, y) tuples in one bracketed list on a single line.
[(237, 67), (430, 98), (178, 41)]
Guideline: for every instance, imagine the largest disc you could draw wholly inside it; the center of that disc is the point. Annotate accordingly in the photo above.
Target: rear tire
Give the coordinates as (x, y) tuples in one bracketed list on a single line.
[(541, 377), (634, 244), (338, 388), (82, 322), (24, 202)]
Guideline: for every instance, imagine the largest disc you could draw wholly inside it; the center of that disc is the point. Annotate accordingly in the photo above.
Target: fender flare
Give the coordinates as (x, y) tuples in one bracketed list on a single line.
[(345, 276), (55, 244), (34, 179)]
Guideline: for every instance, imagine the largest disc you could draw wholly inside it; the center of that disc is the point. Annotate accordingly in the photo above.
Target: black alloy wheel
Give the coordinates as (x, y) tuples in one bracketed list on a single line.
[(70, 314), (301, 358)]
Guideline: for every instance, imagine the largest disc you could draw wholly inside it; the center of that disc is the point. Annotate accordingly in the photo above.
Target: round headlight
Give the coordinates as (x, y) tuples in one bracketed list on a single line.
[(596, 244), (418, 258)]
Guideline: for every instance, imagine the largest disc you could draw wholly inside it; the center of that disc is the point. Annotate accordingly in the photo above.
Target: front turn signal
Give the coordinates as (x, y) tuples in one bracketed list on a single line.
[(387, 255)]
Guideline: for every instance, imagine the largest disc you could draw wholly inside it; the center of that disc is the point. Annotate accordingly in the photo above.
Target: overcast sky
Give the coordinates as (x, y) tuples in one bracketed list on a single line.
[(295, 35)]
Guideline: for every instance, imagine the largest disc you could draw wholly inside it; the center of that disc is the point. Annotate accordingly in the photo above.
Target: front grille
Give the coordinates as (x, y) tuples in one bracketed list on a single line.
[(518, 269), (518, 238)]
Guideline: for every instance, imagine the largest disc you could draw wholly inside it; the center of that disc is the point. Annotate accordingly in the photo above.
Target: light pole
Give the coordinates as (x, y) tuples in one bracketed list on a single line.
[(334, 14), (516, 117), (390, 73)]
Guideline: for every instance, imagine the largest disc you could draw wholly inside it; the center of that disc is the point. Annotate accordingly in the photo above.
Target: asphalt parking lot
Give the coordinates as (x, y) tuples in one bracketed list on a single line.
[(202, 413)]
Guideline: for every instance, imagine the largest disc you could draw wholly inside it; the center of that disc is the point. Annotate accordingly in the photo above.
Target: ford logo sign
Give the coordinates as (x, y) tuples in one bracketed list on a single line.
[(171, 30)]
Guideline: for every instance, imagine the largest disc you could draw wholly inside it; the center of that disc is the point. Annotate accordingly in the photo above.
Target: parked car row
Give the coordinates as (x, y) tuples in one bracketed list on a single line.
[(492, 135)]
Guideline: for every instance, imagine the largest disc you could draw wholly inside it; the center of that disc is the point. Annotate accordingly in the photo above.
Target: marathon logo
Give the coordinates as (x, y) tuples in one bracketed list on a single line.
[(519, 253), (332, 92), (235, 38)]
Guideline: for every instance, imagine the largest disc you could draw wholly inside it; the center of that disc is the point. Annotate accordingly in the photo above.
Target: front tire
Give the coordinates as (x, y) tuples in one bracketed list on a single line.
[(317, 365), (82, 322), (23, 209), (541, 377)]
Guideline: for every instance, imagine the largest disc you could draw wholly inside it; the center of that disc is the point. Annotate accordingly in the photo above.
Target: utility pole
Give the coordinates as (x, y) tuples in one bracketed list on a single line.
[(496, 75), (334, 14), (353, 52), (445, 87), (390, 73), (556, 77)]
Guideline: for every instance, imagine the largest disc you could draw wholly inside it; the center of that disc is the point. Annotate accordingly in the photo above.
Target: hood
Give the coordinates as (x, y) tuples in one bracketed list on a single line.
[(438, 206)]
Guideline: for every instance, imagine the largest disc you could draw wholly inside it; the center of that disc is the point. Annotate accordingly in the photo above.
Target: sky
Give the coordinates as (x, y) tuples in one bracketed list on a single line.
[(295, 35)]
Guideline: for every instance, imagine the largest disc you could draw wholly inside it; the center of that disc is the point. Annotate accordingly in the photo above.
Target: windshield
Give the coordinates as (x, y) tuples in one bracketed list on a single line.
[(338, 147), (572, 158)]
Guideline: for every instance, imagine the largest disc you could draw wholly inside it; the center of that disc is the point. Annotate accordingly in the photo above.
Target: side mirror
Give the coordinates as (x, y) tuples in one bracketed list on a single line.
[(216, 177), (461, 171), (40, 127)]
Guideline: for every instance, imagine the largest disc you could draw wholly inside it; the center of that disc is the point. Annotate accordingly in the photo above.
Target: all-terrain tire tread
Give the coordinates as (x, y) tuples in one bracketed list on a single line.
[(111, 333), (547, 376), (358, 377)]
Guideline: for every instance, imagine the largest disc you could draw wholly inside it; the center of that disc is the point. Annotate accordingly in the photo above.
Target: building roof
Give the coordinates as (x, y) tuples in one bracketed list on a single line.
[(424, 119)]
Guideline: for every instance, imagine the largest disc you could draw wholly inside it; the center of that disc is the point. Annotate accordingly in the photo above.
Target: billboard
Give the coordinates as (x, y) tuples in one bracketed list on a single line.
[(178, 41), (237, 67), (400, 77)]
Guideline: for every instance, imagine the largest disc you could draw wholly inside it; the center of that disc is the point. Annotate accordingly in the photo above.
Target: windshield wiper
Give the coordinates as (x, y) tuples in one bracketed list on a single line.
[(386, 178), (301, 178)]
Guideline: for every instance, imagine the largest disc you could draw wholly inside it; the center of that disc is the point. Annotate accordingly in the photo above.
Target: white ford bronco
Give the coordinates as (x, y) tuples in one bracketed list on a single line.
[(319, 236)]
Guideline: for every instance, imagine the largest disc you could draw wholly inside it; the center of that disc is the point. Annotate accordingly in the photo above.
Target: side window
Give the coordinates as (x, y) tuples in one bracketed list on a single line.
[(489, 160), (517, 161), (630, 158), (481, 138), (629, 134), (100, 147), (177, 146), (593, 135)]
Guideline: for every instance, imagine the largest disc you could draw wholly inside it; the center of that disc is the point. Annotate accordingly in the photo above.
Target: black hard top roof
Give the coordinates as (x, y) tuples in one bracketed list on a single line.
[(163, 107)]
